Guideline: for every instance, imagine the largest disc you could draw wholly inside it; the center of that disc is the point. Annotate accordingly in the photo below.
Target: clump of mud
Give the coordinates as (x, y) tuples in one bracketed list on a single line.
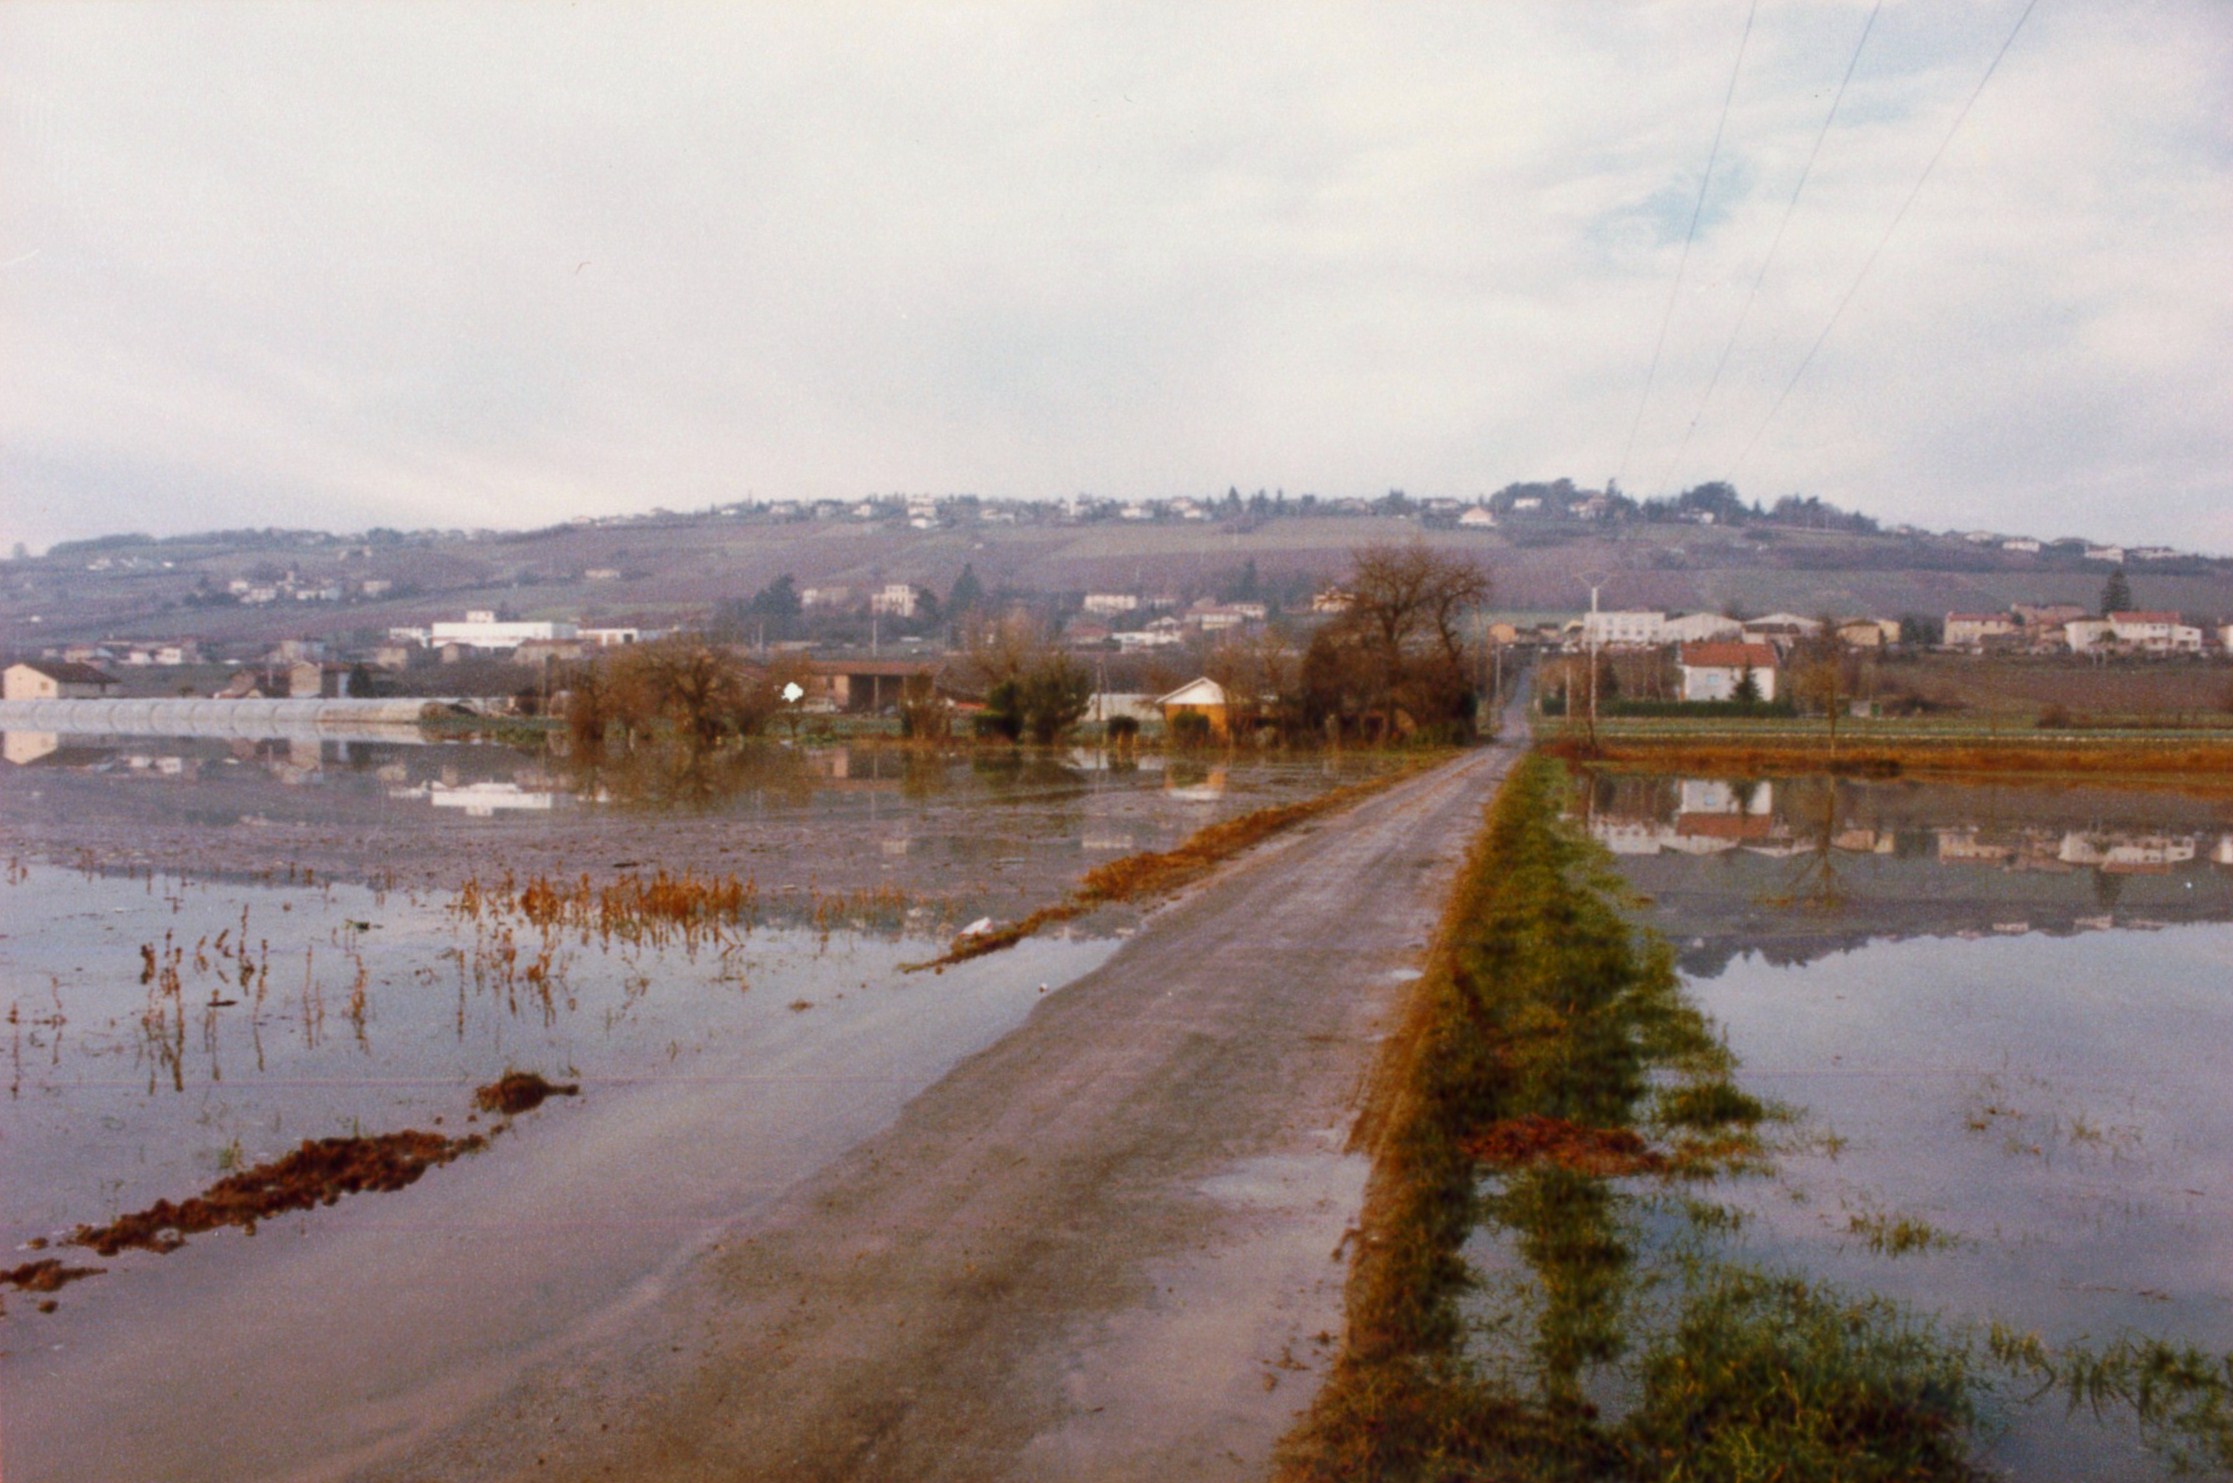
[(320, 1172), (1520, 1142), (44, 1276), (520, 1091)]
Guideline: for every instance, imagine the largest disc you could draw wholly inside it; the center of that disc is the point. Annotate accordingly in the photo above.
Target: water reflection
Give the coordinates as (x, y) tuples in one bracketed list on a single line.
[(1796, 867)]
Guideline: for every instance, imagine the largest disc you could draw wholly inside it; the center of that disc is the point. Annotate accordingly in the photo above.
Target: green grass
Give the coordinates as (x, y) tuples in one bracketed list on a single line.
[(1543, 1002), (1545, 1013), (1897, 1235)]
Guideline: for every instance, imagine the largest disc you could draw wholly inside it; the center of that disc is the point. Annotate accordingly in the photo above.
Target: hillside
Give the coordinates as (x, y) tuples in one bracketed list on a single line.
[(667, 568)]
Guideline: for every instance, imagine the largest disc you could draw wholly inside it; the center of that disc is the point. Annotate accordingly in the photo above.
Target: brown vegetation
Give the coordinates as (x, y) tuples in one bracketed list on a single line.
[(47, 1274), (520, 1091), (319, 1172), (698, 692), (1518, 1142), (2200, 765)]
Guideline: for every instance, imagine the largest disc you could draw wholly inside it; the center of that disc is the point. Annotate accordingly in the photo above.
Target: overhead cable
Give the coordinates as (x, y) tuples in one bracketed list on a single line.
[(1877, 251), (1696, 212), (1774, 245)]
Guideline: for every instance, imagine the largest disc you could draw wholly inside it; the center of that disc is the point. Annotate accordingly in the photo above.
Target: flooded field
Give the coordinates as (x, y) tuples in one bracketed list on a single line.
[(967, 830), (1985, 1030), (214, 953)]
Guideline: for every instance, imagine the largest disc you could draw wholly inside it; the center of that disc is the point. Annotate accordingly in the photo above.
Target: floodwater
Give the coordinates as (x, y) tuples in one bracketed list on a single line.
[(184, 1003), (1996, 1020)]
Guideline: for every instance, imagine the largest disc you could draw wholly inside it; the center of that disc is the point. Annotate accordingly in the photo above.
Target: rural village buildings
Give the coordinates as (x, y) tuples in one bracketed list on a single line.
[(1719, 671), (2134, 633), (56, 679)]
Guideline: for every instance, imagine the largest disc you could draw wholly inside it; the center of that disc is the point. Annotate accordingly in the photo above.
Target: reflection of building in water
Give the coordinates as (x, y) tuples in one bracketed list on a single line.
[(2223, 854), (1184, 783), (1710, 816), (162, 766), (2058, 852), (2129, 854), (1713, 796), (1966, 847), (26, 747), (1710, 811), (480, 800)]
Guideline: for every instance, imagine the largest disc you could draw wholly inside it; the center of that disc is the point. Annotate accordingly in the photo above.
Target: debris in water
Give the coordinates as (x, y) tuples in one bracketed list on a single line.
[(319, 1172), (1534, 1139), (520, 1091), (45, 1275)]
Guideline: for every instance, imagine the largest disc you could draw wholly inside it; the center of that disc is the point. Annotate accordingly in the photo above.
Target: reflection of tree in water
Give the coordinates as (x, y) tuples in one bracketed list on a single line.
[(1815, 883), (924, 774), (2108, 888), (681, 777)]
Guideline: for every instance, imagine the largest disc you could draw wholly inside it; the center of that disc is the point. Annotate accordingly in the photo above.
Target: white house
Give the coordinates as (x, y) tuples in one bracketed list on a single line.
[(2155, 633), (2087, 635), (1714, 671), (1618, 630), (1972, 630), (898, 600), (1106, 603), (481, 630), (1699, 628), (1477, 517)]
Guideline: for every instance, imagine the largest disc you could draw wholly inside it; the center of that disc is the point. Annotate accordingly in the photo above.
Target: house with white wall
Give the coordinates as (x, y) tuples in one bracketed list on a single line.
[(1716, 671)]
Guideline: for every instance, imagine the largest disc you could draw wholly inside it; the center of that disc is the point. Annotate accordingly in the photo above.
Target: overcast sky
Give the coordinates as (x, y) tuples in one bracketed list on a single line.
[(439, 263)]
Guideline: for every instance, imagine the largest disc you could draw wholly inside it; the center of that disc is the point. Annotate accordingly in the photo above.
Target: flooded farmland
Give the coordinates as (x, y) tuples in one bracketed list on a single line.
[(1986, 1028), (217, 951)]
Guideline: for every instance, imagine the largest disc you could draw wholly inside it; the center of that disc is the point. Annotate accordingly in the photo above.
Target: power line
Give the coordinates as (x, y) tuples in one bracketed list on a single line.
[(1696, 211), (1775, 244), (1875, 252)]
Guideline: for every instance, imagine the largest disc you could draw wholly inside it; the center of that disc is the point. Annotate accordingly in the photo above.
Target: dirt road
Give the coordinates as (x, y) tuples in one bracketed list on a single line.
[(1104, 1248)]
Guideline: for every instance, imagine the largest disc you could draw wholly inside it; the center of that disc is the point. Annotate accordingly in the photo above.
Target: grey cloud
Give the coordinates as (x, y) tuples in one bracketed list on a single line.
[(476, 263)]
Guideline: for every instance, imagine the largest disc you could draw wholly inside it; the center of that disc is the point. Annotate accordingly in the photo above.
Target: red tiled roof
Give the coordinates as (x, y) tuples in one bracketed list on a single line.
[(2144, 617)]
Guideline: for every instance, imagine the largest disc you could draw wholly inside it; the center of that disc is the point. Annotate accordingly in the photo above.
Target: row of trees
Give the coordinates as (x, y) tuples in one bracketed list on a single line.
[(1399, 662)]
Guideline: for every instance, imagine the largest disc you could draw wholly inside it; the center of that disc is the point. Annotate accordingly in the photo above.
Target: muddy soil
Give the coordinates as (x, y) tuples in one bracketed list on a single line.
[(318, 1172), (1108, 1246)]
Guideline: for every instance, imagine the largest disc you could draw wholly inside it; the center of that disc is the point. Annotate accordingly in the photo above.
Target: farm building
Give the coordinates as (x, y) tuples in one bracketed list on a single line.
[(1203, 697), (51, 679)]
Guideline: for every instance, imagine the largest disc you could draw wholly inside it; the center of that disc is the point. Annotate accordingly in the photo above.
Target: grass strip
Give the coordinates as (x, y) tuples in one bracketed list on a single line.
[(1159, 872), (1545, 1042)]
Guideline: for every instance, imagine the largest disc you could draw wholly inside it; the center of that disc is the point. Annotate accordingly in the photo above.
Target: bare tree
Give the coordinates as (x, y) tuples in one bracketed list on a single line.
[(697, 691), (1406, 626), (1825, 673), (1261, 676)]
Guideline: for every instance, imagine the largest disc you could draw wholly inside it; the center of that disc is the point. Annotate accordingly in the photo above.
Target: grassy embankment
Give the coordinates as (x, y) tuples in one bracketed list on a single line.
[(1552, 1088), (1889, 747), (1159, 872)]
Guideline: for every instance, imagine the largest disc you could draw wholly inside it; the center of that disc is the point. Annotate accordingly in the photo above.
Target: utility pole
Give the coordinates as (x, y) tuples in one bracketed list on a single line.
[(1590, 633)]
